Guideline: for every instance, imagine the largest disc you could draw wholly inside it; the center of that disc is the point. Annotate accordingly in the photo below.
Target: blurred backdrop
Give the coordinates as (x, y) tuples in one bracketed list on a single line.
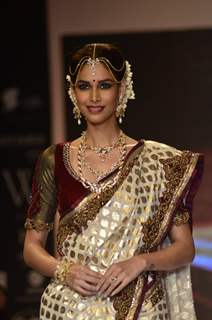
[(169, 44)]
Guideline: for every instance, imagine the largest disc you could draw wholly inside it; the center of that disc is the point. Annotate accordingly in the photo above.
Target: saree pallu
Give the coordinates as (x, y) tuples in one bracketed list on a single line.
[(129, 217)]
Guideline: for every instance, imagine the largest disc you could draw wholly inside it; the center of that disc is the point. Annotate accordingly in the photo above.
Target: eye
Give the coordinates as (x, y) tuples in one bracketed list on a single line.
[(83, 85), (105, 85)]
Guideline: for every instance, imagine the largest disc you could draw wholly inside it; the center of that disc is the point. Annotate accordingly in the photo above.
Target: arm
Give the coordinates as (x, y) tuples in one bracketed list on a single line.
[(80, 278), (179, 253), (35, 254), (41, 215)]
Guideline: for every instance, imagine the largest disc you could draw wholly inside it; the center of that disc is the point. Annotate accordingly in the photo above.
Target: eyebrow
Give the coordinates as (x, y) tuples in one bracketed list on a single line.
[(104, 80)]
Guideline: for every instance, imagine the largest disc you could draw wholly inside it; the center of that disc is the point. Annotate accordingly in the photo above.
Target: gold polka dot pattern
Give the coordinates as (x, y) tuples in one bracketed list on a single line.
[(116, 233)]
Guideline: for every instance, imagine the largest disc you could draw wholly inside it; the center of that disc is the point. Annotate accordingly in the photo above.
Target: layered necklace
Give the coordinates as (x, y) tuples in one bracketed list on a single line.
[(103, 154)]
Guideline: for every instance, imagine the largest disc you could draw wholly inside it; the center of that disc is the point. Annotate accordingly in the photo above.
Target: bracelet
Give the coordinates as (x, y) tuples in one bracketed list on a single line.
[(62, 270)]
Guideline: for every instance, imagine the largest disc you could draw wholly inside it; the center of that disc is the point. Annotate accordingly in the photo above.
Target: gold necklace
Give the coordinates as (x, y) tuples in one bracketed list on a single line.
[(99, 175), (97, 186), (103, 152)]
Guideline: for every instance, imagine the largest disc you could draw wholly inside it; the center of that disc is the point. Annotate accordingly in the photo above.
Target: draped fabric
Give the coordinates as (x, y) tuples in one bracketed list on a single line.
[(129, 217)]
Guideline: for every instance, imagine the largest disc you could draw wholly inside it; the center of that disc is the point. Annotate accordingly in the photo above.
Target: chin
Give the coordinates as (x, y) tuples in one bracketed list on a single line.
[(100, 120)]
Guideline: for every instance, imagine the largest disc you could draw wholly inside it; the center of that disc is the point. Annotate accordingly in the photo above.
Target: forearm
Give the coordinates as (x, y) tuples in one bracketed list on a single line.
[(175, 256), (39, 259)]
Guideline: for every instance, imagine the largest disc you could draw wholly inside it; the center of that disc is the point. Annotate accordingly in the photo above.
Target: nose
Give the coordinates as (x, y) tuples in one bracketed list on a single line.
[(95, 96)]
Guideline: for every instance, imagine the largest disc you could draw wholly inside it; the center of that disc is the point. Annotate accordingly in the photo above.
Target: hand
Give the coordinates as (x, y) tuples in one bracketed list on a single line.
[(119, 275), (83, 280)]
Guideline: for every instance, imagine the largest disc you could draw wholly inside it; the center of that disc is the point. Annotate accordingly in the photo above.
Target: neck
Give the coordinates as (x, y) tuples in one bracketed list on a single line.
[(102, 135)]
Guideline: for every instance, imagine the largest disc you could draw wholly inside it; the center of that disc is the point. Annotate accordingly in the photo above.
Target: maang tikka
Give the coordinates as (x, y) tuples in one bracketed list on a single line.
[(91, 62)]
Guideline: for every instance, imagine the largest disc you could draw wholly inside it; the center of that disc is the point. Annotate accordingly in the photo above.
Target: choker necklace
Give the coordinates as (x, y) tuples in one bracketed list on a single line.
[(103, 152), (97, 186)]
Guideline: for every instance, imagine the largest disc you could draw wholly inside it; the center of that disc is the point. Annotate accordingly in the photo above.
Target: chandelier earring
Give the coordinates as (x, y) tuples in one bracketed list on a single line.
[(120, 110), (128, 93), (76, 110), (77, 114)]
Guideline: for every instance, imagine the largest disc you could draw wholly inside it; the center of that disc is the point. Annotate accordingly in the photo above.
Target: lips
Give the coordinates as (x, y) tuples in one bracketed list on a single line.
[(95, 109)]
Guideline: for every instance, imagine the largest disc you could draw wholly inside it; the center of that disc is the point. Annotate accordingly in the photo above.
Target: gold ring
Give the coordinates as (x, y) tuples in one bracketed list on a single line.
[(114, 279)]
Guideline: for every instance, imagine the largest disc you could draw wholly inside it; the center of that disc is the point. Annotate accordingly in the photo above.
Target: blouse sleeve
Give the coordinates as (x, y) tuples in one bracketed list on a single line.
[(43, 202), (183, 213)]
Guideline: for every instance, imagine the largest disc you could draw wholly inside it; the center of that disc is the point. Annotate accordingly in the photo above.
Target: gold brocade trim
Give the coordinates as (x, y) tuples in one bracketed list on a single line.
[(123, 301), (154, 294), (38, 225), (181, 218), (137, 296), (90, 207), (175, 169)]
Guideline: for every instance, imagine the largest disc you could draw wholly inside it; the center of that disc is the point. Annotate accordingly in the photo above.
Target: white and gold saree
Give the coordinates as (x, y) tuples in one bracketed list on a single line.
[(155, 189)]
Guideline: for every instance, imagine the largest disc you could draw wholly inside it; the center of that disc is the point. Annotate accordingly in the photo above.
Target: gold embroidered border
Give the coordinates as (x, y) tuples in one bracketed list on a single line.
[(126, 301), (178, 170), (38, 225), (137, 296), (154, 294), (123, 300), (181, 218)]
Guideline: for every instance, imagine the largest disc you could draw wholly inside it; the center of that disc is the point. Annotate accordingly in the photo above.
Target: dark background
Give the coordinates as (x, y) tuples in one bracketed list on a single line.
[(24, 132)]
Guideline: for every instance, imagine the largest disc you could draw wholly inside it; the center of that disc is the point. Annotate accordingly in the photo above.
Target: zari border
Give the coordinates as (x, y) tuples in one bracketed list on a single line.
[(178, 172), (125, 303), (181, 218), (138, 296), (38, 225), (156, 292)]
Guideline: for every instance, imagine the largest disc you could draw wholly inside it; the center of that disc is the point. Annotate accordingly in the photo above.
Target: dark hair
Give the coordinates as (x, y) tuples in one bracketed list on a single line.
[(109, 54)]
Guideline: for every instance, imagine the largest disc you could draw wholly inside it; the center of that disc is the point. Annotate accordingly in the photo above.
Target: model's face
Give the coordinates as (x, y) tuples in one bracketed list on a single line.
[(97, 93)]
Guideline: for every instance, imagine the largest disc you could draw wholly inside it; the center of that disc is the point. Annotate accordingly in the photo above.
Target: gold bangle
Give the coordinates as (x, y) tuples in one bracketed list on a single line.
[(62, 270)]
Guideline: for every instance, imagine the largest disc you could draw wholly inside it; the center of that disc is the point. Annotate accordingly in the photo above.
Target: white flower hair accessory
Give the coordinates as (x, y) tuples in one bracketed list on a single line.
[(128, 94), (76, 110)]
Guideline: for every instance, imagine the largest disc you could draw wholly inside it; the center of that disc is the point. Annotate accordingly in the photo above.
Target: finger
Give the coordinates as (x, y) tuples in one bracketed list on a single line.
[(72, 279), (119, 288), (110, 280), (103, 284), (104, 279), (94, 276), (89, 287), (92, 273), (83, 292), (114, 284), (91, 280)]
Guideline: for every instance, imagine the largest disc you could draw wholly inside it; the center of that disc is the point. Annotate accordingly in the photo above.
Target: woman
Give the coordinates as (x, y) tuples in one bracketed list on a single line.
[(124, 239)]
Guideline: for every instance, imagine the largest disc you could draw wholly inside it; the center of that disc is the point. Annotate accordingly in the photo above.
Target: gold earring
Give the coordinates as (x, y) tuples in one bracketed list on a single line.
[(120, 110), (77, 114), (76, 110)]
